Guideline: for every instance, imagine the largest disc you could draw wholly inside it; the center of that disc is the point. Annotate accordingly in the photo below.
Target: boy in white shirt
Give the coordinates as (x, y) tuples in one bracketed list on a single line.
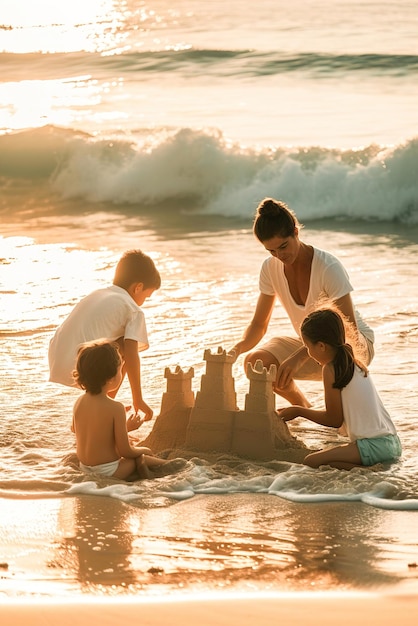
[(112, 313)]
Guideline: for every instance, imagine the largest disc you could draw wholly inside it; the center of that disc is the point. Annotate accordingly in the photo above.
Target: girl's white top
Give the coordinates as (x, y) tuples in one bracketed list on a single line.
[(364, 413)]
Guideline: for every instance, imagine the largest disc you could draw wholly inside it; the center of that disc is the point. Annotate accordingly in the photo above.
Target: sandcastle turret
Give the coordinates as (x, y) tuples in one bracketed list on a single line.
[(258, 432), (170, 427), (212, 417), (179, 389)]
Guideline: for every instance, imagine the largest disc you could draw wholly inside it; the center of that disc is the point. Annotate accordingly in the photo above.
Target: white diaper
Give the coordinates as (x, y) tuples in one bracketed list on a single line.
[(104, 469)]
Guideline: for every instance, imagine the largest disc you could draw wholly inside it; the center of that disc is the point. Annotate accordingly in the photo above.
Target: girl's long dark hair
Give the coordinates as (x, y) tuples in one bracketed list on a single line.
[(326, 325)]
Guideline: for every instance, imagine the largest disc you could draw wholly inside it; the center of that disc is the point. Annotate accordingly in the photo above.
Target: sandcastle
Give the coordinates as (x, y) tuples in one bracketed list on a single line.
[(212, 422)]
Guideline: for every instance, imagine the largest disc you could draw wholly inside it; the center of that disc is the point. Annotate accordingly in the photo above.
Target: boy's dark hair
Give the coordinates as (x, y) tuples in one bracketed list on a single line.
[(274, 218), (97, 362), (136, 267)]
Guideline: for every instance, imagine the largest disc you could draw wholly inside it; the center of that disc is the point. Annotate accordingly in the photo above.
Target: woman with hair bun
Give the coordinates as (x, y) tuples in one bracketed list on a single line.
[(301, 276), (351, 399)]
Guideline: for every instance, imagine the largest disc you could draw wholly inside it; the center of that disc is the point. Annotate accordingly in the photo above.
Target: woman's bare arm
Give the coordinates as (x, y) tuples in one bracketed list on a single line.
[(258, 326), (346, 307)]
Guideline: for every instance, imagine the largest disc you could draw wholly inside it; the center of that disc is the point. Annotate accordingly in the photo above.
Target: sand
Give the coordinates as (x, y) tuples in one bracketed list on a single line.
[(344, 610)]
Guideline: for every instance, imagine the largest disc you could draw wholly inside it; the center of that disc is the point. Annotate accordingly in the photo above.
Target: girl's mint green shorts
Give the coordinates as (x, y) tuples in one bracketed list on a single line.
[(379, 449)]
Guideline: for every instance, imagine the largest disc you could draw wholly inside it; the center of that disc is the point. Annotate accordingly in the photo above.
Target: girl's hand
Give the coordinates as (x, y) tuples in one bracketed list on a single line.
[(289, 413)]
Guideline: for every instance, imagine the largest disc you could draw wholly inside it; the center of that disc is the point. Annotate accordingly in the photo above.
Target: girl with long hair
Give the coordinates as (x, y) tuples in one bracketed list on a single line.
[(351, 399)]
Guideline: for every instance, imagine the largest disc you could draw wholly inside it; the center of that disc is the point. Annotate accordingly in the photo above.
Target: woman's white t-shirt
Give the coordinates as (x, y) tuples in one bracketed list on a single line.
[(329, 281)]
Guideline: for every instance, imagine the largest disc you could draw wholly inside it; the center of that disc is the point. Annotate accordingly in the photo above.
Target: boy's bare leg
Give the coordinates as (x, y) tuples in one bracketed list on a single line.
[(142, 467), (126, 469), (154, 461)]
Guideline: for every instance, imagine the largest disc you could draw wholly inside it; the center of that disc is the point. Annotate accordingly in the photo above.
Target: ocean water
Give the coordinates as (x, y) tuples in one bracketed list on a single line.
[(161, 125)]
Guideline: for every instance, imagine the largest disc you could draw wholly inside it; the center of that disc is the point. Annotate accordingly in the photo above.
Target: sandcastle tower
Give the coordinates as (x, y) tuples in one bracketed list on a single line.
[(212, 417), (170, 427), (179, 392), (258, 432)]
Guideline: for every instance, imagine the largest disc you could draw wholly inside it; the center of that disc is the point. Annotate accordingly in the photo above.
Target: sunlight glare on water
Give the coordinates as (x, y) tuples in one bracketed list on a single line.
[(46, 26), (35, 276), (58, 102)]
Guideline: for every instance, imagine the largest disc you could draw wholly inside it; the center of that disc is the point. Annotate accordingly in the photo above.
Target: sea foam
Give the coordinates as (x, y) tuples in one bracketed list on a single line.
[(204, 172), (297, 483)]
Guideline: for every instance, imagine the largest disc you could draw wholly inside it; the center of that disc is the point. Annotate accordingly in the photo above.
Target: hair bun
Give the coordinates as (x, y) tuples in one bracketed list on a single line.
[(269, 206), (274, 218)]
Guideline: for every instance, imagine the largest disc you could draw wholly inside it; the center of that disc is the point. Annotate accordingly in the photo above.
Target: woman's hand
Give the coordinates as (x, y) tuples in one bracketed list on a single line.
[(143, 406), (286, 372), (234, 352), (133, 422)]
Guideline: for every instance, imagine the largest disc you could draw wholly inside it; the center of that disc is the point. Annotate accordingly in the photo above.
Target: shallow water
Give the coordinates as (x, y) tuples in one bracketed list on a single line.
[(208, 293)]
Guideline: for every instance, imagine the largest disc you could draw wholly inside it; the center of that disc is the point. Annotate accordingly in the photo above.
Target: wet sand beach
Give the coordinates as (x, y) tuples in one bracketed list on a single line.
[(88, 548), (96, 560)]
